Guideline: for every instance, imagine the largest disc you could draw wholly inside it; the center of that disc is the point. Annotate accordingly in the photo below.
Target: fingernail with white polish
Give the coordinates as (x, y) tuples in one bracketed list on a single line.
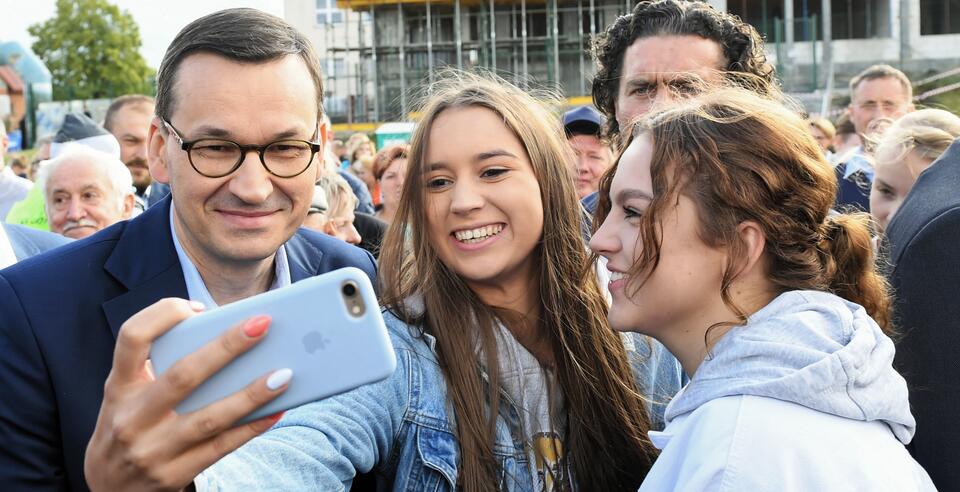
[(279, 379)]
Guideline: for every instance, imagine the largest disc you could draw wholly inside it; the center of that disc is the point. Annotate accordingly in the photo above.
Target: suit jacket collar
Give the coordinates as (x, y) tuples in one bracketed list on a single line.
[(145, 262), (933, 194)]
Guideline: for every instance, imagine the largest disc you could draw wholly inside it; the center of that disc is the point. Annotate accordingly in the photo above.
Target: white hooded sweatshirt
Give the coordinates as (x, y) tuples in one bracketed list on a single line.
[(803, 397)]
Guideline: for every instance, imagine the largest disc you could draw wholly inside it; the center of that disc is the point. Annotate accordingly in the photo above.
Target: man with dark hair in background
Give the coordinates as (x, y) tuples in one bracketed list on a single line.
[(248, 85), (665, 49), (128, 118)]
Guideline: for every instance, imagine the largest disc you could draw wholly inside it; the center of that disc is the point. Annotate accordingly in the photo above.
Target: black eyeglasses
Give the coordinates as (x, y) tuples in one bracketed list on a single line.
[(217, 157)]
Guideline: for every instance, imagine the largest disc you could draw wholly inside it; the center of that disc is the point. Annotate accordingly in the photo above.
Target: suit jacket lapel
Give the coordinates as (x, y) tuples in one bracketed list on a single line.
[(145, 262), (303, 257)]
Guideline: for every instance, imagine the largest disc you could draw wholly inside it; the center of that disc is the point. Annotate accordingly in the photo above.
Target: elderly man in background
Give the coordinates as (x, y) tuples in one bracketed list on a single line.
[(128, 118), (85, 191), (593, 155)]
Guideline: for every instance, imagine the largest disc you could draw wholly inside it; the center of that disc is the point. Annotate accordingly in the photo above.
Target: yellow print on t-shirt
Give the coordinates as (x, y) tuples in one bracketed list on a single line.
[(552, 472)]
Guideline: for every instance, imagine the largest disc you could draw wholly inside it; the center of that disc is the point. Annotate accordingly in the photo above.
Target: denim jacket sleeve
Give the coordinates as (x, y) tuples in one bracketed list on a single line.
[(657, 372), (322, 445)]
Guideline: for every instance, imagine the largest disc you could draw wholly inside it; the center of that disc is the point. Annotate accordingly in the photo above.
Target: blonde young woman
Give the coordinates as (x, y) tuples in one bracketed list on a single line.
[(908, 147), (716, 228), (508, 376)]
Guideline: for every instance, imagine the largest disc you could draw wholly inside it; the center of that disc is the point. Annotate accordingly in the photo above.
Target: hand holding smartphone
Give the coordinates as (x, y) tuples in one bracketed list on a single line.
[(327, 329)]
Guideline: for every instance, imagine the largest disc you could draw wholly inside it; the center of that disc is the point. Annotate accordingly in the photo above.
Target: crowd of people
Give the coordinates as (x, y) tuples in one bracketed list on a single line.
[(691, 285)]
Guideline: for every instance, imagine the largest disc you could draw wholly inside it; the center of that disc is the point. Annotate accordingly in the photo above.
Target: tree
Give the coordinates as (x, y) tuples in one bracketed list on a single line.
[(92, 50)]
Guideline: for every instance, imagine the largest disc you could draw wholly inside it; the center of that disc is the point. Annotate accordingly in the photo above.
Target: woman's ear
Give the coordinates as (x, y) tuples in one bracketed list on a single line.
[(754, 243)]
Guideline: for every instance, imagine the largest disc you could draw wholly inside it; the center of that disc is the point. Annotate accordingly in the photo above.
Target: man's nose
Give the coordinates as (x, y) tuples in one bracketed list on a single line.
[(251, 182), (76, 210)]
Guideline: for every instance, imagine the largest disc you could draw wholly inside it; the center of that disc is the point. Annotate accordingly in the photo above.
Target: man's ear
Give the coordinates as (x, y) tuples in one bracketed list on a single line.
[(128, 203), (156, 155), (321, 156)]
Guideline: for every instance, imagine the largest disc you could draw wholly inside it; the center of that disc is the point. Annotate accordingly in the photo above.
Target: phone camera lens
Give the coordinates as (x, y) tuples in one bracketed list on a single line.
[(349, 290)]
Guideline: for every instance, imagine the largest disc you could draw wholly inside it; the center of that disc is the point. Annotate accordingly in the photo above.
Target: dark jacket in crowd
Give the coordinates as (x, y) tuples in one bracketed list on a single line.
[(924, 236), (371, 230), (853, 191), (61, 312)]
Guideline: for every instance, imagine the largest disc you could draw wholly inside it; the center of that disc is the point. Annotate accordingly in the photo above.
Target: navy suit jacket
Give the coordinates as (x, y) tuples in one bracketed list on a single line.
[(60, 315), (28, 242), (923, 238)]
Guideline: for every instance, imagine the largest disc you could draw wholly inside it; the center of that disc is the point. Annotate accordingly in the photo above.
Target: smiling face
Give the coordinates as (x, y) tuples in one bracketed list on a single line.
[(483, 205), (656, 68), (684, 288), (245, 216), (80, 200)]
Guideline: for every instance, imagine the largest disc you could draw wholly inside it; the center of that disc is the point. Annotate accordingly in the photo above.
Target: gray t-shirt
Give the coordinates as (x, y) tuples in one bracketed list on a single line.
[(533, 388)]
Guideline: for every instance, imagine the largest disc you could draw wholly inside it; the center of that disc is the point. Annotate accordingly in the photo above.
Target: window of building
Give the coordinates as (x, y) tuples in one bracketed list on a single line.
[(852, 19), (328, 13), (939, 16), (335, 67)]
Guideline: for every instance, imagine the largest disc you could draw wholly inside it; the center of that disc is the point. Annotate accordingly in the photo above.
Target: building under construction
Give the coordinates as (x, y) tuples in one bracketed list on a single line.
[(377, 53)]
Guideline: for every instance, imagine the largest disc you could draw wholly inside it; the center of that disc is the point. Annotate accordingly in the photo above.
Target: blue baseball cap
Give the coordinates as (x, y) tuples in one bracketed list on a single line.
[(583, 120)]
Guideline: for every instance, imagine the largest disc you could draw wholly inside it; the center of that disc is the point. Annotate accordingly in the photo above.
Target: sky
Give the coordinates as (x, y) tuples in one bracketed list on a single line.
[(159, 21)]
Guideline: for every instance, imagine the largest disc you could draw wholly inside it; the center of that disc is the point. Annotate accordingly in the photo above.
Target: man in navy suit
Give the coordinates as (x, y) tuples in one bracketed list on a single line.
[(238, 138), (923, 238)]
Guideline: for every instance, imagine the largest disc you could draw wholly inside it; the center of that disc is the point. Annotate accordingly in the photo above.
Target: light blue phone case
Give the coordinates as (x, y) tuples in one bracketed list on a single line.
[(329, 350)]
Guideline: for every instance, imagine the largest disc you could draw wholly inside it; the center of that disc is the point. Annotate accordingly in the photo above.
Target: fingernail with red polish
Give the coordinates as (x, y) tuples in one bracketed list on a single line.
[(277, 416), (256, 326)]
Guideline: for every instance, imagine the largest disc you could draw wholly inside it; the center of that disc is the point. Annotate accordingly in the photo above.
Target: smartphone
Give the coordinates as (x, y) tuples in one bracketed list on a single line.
[(328, 329)]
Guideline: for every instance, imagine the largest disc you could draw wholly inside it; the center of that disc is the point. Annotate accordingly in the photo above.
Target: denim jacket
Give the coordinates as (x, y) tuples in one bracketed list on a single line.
[(401, 428)]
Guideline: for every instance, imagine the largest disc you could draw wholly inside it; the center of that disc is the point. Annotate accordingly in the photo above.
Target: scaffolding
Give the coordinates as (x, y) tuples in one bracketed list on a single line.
[(404, 43)]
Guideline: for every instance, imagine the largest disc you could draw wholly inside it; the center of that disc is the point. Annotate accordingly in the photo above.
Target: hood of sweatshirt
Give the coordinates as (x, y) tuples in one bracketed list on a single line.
[(810, 348)]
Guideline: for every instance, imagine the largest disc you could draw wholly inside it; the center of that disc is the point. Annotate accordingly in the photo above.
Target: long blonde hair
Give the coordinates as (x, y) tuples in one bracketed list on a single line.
[(607, 420)]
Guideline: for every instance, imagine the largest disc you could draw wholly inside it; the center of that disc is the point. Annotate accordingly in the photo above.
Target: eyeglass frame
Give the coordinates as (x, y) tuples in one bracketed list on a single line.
[(186, 145)]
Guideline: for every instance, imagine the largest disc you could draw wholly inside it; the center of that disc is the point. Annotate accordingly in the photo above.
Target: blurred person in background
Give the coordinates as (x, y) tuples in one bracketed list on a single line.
[(363, 170), (128, 119), (13, 188), (85, 191), (359, 145), (823, 132), (594, 156), (879, 95), (19, 168), (845, 140), (332, 209), (877, 92), (906, 149), (390, 169)]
